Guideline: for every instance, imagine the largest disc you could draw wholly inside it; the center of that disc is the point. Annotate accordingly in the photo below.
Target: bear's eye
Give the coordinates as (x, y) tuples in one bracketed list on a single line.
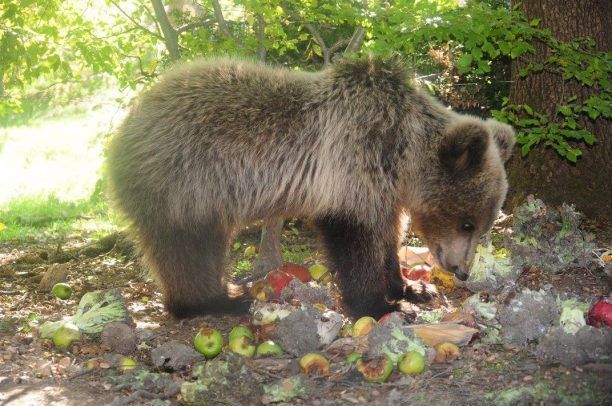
[(467, 227)]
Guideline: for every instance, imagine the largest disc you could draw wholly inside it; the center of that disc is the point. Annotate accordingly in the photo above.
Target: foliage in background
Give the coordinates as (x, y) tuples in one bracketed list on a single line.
[(459, 49)]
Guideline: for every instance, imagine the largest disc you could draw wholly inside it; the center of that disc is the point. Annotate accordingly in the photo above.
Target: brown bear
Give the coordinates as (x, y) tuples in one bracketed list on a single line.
[(217, 144)]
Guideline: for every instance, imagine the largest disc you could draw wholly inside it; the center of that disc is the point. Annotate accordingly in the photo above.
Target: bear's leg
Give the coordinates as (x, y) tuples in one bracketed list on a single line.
[(357, 255), (188, 263), (400, 289)]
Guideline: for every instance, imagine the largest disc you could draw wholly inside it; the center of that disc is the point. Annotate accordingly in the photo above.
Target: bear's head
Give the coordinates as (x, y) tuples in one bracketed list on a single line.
[(463, 190)]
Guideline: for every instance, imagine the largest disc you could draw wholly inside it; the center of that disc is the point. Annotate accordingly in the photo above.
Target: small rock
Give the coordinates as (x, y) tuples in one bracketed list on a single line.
[(297, 333), (589, 344), (56, 273), (174, 356), (119, 337), (306, 293), (528, 316)]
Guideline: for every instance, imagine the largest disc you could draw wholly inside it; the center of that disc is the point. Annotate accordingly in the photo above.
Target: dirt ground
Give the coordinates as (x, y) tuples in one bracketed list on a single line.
[(33, 372)]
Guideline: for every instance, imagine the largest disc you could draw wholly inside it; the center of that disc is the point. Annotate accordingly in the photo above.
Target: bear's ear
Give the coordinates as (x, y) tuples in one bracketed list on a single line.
[(504, 136), (464, 145)]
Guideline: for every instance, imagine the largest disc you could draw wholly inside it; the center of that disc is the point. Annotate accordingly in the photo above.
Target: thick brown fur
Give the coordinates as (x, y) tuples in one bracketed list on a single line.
[(217, 144)]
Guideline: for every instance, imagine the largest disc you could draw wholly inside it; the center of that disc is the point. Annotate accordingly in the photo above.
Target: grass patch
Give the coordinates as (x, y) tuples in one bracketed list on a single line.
[(543, 392), (28, 218), (242, 267), (298, 254)]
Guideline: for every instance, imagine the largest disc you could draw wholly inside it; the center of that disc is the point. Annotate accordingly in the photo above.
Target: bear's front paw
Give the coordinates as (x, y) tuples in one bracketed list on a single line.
[(419, 291)]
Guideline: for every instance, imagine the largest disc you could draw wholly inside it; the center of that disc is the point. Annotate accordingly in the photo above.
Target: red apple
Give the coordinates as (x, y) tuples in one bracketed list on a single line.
[(278, 279), (298, 271), (600, 314), (385, 317), (417, 273)]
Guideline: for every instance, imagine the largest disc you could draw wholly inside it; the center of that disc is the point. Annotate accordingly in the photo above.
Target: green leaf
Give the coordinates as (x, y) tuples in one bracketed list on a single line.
[(589, 138), (573, 154), (593, 114), (464, 62), (528, 109), (566, 110), (535, 22)]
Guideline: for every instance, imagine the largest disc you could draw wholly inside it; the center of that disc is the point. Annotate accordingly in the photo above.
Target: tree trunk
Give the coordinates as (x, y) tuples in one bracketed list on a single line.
[(270, 256), (542, 172)]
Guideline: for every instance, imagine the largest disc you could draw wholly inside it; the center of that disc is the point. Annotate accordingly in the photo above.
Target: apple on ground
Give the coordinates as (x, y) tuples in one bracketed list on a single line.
[(243, 346), (386, 317), (268, 349), (250, 251), (353, 357), (278, 280), (298, 271), (239, 331), (347, 330), (62, 291), (127, 364), (375, 369), (417, 273), (363, 326), (208, 342), (320, 273), (261, 290), (314, 364), (411, 363), (65, 335), (600, 314), (446, 352)]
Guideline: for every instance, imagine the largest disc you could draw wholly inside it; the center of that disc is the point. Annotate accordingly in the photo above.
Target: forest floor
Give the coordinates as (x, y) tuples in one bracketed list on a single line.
[(34, 372)]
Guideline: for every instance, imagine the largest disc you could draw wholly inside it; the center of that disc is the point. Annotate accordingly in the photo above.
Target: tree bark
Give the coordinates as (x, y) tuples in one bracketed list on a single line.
[(269, 256), (587, 184), (170, 34)]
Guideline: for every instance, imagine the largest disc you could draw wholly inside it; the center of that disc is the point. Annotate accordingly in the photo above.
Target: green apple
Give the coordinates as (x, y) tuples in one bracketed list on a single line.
[(363, 326), (314, 364), (319, 273), (375, 369), (65, 335), (347, 330), (250, 251), (208, 342), (239, 331), (268, 349), (127, 364), (411, 363), (242, 345), (62, 291), (353, 358)]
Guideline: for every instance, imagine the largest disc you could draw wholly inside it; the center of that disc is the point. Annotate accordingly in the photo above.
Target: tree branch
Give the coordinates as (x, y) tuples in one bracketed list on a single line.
[(339, 44), (317, 36), (157, 28), (223, 24), (193, 25), (170, 34), (141, 27), (356, 40)]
